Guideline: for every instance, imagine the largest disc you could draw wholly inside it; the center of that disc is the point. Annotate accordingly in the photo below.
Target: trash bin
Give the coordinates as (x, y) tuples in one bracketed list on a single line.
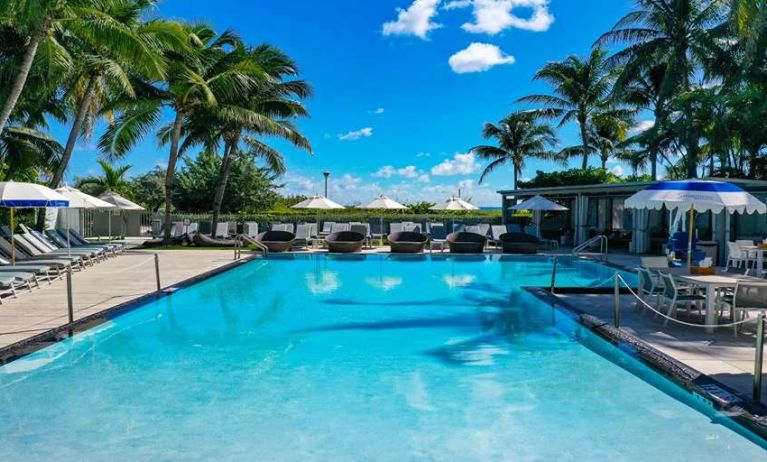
[(711, 249)]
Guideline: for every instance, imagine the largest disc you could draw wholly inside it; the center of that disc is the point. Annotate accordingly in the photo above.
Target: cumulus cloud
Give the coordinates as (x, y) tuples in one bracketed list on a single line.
[(617, 170), (495, 16), (380, 110), (416, 20), (355, 135), (478, 57), (642, 126), (411, 172), (460, 164)]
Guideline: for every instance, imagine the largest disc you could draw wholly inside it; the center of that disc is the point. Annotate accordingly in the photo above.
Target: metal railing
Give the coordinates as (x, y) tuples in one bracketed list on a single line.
[(245, 238), (603, 246)]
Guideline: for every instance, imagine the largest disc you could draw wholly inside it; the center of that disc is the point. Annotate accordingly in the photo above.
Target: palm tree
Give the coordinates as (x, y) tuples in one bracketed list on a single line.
[(677, 34), (520, 136), (197, 80), (40, 21), (581, 88), (114, 179), (103, 71)]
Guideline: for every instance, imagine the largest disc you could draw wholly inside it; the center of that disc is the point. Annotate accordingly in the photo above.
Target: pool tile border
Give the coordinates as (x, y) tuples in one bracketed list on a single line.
[(37, 342), (721, 397)]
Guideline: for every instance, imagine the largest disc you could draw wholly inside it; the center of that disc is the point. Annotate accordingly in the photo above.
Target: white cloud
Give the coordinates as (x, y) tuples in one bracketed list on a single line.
[(416, 20), (388, 171), (478, 57), (355, 135), (423, 154), (424, 178), (460, 164), (642, 126), (495, 16), (380, 110), (617, 170)]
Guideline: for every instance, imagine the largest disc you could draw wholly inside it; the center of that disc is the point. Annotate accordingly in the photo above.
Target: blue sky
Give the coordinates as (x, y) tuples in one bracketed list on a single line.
[(402, 87)]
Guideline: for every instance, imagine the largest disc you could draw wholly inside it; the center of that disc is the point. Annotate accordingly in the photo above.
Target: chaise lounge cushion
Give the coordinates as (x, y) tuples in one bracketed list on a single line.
[(345, 242), (519, 243), (277, 241), (407, 242), (465, 242)]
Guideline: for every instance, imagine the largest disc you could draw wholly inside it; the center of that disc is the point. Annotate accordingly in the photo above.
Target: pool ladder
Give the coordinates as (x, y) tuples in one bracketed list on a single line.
[(603, 246), (245, 238)]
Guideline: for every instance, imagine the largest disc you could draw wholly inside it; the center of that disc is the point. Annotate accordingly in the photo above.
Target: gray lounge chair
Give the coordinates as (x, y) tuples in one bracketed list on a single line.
[(438, 237), (21, 255), (303, 235)]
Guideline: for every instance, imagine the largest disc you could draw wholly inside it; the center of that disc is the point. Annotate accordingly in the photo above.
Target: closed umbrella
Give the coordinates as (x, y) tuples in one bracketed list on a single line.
[(696, 196), (15, 195), (119, 203), (384, 203), (537, 205)]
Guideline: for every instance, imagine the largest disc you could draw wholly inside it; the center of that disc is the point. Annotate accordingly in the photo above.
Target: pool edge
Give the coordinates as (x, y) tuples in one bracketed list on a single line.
[(743, 410), (49, 337)]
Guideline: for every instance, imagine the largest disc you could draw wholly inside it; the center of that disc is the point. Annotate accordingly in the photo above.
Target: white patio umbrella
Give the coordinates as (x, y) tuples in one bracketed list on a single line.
[(318, 203), (27, 195), (455, 204), (384, 203), (120, 203), (80, 200), (538, 204), (696, 196)]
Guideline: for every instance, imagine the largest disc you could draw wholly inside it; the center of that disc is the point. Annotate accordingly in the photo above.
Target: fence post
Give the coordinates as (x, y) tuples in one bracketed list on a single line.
[(617, 300), (554, 275), (759, 358), (157, 271), (70, 302)]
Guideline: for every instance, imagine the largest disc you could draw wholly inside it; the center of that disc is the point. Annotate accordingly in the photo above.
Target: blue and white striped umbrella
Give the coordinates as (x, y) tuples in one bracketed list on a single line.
[(698, 195)]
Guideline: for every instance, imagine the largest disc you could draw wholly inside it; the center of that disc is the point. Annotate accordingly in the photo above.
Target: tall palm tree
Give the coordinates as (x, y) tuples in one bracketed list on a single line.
[(581, 88), (520, 136), (197, 80), (674, 33), (113, 179), (102, 71), (40, 21)]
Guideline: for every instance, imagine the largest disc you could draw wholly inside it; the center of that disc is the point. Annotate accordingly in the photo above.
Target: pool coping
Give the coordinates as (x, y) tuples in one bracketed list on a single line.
[(49, 337), (724, 399)]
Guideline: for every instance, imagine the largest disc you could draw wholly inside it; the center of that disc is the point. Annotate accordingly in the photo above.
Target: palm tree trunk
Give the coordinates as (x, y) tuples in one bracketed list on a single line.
[(223, 179), (654, 165), (21, 78), (585, 144), (515, 173), (74, 133), (170, 173)]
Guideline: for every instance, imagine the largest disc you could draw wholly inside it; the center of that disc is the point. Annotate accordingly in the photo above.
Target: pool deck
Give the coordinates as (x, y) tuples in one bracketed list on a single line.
[(108, 284), (721, 355)]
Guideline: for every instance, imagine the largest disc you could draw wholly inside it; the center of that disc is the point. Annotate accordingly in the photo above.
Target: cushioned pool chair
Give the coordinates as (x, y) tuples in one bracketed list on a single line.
[(463, 242), (277, 241), (519, 243), (345, 242), (407, 242)]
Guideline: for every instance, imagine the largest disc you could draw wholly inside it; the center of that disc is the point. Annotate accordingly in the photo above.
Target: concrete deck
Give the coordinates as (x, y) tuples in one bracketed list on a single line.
[(98, 288)]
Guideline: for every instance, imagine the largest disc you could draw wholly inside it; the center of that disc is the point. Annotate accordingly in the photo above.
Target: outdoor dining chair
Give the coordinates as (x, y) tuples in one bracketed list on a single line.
[(747, 296), (672, 296)]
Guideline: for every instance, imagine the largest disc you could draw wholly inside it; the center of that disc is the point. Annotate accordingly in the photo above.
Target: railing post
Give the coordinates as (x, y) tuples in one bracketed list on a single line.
[(617, 300), (759, 358), (70, 302), (554, 275), (157, 271)]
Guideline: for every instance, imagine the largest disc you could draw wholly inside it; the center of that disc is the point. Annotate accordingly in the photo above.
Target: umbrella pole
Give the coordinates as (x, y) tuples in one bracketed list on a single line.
[(13, 241), (690, 230)]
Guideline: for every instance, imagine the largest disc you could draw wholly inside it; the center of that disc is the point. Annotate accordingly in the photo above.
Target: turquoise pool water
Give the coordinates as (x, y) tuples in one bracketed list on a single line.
[(369, 359)]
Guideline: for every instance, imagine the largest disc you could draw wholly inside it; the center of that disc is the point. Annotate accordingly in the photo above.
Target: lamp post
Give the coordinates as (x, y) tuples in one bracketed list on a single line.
[(326, 174)]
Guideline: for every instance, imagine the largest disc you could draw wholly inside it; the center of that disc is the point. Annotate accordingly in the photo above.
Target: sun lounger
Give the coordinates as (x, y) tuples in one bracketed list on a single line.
[(277, 241), (407, 242), (437, 237), (519, 243), (303, 235), (345, 242), (21, 255), (465, 242), (222, 231), (250, 229), (27, 246)]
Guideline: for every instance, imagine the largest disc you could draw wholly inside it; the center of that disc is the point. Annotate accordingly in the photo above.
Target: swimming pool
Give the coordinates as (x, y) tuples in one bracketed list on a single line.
[(355, 358)]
